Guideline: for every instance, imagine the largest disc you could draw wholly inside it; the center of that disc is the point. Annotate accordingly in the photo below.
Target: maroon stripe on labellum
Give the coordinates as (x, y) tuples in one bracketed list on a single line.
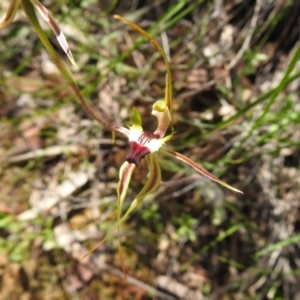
[(137, 153)]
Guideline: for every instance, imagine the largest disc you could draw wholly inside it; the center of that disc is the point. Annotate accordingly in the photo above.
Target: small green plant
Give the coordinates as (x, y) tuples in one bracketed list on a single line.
[(18, 234), (143, 144)]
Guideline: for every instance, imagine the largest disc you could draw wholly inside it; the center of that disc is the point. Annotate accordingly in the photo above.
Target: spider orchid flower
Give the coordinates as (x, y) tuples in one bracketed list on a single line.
[(144, 144), (27, 5)]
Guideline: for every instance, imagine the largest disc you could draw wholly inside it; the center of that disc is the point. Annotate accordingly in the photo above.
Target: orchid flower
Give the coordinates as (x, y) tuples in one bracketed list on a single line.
[(144, 144), (12, 10)]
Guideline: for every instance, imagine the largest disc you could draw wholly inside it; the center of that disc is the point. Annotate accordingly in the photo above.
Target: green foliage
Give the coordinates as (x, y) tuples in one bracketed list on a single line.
[(185, 227), (17, 239)]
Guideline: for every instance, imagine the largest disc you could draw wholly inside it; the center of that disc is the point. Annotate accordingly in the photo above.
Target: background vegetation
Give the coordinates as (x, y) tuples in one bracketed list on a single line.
[(236, 110)]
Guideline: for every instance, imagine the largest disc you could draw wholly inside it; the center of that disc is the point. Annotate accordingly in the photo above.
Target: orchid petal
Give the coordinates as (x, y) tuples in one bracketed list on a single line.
[(161, 111), (124, 180), (10, 13), (168, 137), (57, 31), (168, 92), (198, 168), (125, 177)]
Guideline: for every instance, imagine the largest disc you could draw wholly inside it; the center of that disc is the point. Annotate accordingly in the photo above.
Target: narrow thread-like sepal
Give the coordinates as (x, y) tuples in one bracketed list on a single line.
[(168, 90), (31, 14), (10, 13), (54, 26), (124, 180), (199, 169)]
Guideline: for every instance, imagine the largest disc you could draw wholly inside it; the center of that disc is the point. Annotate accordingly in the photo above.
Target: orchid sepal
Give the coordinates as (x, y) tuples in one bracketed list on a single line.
[(168, 89), (12, 10), (136, 118), (125, 174), (135, 130), (54, 26), (124, 180), (199, 168), (151, 185)]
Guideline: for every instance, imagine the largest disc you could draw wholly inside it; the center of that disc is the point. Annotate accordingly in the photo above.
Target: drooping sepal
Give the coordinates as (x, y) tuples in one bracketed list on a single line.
[(199, 169), (124, 180)]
